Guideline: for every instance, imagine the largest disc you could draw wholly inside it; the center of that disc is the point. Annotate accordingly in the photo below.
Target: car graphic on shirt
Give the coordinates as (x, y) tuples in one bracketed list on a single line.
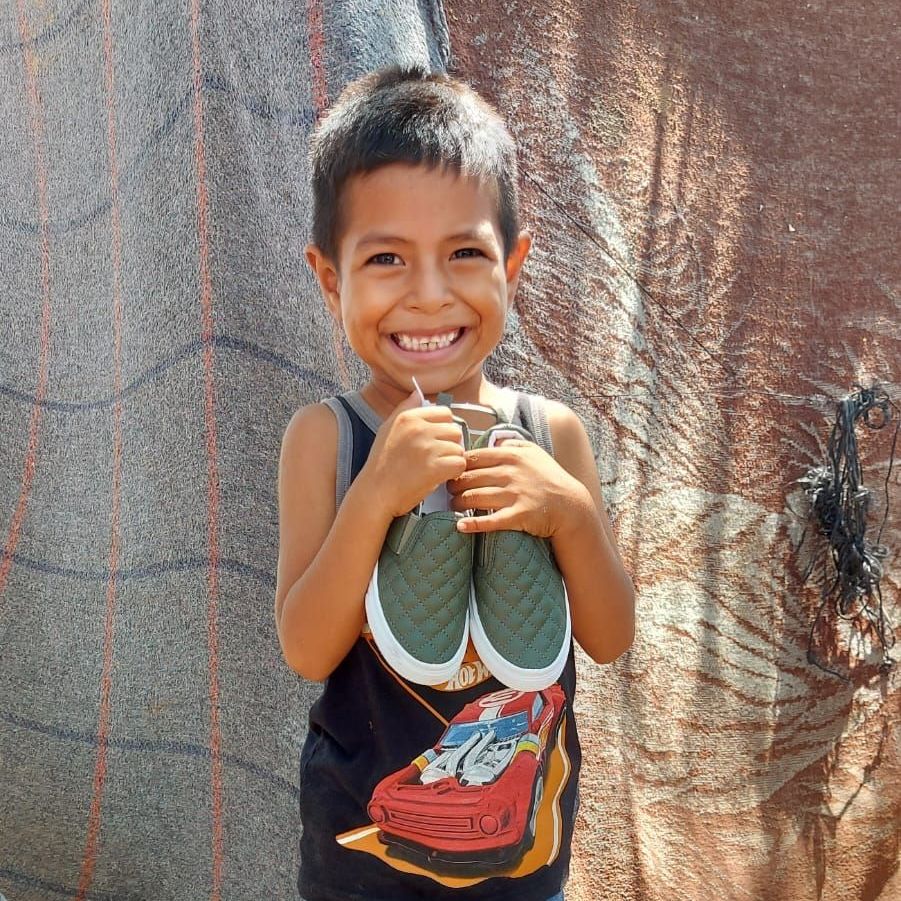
[(471, 801)]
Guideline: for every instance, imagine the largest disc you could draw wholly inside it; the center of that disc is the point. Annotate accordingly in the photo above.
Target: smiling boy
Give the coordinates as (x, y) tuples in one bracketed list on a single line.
[(417, 250)]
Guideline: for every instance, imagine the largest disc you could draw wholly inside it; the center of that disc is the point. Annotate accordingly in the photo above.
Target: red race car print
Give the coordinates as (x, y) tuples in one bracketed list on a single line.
[(470, 803)]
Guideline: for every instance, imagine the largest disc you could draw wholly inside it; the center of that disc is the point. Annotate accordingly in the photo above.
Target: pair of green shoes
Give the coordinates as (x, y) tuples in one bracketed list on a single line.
[(433, 587)]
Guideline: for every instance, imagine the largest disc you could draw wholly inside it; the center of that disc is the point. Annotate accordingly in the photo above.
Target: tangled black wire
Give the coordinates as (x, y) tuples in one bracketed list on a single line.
[(839, 503)]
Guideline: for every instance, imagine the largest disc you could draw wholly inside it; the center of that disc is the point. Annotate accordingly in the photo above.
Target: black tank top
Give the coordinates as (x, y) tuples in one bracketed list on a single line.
[(504, 836)]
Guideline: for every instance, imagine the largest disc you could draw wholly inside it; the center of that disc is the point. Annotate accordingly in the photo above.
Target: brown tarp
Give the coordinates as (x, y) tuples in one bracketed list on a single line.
[(714, 193)]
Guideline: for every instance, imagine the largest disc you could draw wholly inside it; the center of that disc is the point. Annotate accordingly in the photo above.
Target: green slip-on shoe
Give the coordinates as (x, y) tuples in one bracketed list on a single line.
[(519, 619), (418, 600), (419, 596)]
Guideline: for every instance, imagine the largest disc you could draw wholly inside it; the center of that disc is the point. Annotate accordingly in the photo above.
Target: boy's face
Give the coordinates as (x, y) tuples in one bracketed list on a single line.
[(420, 257)]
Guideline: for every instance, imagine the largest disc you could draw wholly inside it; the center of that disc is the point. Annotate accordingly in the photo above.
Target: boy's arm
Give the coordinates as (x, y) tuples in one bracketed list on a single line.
[(600, 591), (325, 558)]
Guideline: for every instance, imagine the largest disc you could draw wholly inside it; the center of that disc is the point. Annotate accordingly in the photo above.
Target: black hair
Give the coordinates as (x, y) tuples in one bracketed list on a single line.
[(405, 114)]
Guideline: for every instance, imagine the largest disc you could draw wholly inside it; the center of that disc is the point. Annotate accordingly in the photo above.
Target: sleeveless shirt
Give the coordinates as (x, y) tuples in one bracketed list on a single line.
[(504, 838)]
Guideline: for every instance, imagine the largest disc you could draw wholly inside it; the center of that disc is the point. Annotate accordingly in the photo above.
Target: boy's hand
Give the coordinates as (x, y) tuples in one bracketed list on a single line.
[(523, 485), (415, 450)]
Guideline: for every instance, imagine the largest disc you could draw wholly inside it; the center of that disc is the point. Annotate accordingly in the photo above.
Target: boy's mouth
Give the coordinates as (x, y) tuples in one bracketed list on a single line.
[(426, 343)]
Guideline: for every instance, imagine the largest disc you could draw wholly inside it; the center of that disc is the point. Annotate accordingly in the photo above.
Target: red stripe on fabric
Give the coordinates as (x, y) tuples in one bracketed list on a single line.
[(36, 122), (206, 297), (316, 33), (89, 859), (317, 50)]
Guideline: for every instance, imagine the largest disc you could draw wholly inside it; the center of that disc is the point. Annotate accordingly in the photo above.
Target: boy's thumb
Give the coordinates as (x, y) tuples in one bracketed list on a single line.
[(408, 403), (415, 399)]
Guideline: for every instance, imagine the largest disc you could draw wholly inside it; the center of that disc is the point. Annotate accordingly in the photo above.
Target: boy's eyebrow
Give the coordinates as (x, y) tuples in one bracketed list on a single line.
[(381, 238)]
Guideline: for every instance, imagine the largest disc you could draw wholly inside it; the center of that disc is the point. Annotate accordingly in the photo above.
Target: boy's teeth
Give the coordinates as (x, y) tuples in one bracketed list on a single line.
[(430, 342)]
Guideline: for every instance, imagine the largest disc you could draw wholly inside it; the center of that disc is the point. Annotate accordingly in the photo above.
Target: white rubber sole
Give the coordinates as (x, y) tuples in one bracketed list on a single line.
[(397, 656), (508, 673)]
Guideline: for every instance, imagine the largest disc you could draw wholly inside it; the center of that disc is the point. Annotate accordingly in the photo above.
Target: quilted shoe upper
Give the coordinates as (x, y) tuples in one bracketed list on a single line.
[(520, 619), (521, 599), (424, 585)]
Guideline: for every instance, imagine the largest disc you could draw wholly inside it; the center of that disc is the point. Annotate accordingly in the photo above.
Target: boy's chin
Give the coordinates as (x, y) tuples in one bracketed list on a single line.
[(433, 384)]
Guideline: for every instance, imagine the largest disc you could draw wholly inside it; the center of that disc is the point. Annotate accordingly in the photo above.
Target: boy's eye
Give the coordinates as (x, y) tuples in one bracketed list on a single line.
[(469, 252), (384, 259)]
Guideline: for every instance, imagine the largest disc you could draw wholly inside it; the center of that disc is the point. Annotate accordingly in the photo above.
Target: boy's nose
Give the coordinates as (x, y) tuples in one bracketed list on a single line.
[(430, 291)]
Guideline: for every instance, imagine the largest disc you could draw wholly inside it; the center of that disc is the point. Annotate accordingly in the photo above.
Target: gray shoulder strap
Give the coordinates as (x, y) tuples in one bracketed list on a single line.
[(345, 448), (533, 415), (362, 409)]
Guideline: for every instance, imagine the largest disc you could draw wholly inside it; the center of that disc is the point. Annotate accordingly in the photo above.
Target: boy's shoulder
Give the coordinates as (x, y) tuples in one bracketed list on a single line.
[(310, 441), (315, 417)]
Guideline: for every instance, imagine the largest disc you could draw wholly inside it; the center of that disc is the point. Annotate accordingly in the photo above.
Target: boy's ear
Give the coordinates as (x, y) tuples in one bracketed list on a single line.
[(329, 279), (514, 263)]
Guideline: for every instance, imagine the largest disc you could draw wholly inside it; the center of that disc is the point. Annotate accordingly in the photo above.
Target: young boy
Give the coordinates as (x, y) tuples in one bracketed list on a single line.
[(417, 250)]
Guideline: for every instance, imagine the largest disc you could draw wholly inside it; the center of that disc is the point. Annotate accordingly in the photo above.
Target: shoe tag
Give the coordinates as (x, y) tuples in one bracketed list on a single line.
[(439, 499)]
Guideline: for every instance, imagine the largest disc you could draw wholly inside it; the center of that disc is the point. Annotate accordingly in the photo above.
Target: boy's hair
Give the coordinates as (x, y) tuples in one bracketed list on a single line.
[(405, 114)]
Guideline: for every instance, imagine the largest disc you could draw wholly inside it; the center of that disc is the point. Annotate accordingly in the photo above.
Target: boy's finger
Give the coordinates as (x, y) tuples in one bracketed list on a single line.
[(490, 498), (469, 481), (438, 412), (491, 456), (408, 403), (492, 522), (428, 414)]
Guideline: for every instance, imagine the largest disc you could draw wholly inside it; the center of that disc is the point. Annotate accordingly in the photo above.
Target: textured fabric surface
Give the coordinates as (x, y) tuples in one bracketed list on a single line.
[(713, 196)]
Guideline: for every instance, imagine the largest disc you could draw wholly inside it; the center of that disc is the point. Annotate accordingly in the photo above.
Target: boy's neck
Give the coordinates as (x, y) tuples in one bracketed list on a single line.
[(384, 397)]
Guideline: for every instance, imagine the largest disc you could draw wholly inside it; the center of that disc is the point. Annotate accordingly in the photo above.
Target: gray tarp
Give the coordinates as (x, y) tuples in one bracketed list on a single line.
[(149, 361)]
